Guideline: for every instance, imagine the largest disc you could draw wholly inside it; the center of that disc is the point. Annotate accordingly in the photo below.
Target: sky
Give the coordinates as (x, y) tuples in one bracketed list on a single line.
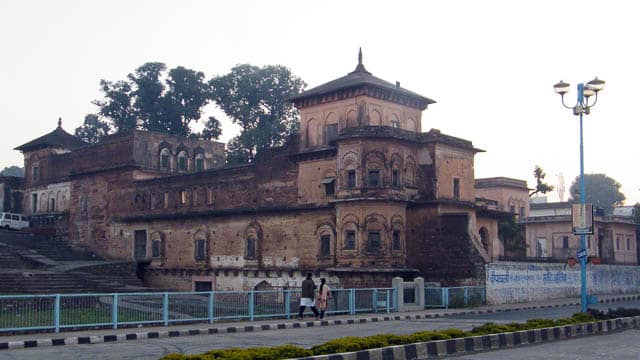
[(490, 65)]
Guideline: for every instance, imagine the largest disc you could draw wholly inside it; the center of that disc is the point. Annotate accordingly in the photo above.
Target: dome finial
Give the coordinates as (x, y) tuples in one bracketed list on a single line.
[(360, 68), (60, 122)]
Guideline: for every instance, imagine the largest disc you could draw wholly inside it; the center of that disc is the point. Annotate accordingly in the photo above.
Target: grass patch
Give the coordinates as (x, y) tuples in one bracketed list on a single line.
[(353, 343)]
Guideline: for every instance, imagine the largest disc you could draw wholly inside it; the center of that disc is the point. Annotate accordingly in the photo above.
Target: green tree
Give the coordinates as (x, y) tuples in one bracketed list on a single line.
[(153, 99), (257, 99), (541, 186), (12, 171), (636, 213), (93, 129), (117, 105), (512, 236), (600, 190)]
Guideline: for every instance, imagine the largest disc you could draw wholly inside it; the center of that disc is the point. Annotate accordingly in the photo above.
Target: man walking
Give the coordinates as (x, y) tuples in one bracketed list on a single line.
[(306, 299)]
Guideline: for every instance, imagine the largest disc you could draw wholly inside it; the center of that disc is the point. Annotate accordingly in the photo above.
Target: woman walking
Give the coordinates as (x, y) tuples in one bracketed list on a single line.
[(324, 294)]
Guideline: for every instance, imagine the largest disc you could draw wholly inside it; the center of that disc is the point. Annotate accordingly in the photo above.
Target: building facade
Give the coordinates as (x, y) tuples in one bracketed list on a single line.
[(360, 195)]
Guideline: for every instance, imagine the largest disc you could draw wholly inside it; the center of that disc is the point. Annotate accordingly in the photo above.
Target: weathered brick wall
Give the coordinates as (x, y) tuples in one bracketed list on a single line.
[(453, 163), (363, 217), (271, 182), (95, 201), (440, 246), (351, 112), (285, 240), (148, 145)]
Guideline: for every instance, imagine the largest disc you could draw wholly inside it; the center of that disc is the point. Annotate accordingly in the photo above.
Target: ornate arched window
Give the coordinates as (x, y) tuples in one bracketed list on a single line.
[(199, 162), (165, 159), (375, 118), (252, 237), (312, 133), (349, 170), (183, 163), (397, 233), (331, 128), (375, 169), (375, 231), (157, 245), (394, 121), (200, 247), (396, 171), (412, 125), (325, 234), (350, 233), (352, 119), (410, 172)]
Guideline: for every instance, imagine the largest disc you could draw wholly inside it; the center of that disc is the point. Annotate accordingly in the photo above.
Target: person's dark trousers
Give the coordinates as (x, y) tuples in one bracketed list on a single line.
[(321, 314), (313, 308)]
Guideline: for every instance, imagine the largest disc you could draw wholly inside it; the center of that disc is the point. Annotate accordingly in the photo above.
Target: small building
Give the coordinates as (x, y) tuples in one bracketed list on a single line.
[(11, 193), (549, 235)]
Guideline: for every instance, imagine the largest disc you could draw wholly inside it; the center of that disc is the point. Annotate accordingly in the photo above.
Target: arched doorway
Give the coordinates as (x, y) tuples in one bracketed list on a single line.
[(484, 239)]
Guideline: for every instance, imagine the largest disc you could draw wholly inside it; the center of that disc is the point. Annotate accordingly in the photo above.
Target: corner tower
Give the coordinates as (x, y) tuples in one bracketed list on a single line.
[(357, 99)]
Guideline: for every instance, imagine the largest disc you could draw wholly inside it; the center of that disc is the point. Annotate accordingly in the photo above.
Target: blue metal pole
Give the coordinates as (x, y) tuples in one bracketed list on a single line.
[(352, 301), (583, 242), (287, 303), (251, 305)]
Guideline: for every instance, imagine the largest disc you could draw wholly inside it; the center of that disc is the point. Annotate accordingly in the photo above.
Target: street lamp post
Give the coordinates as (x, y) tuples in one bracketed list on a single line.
[(581, 107)]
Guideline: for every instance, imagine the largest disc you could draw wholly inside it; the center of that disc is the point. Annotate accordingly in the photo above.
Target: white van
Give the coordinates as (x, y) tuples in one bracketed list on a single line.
[(13, 221)]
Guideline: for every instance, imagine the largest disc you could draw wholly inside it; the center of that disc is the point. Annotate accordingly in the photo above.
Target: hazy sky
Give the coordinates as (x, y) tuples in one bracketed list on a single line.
[(490, 65)]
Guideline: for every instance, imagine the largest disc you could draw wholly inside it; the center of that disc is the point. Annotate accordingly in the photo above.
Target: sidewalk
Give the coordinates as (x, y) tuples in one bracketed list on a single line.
[(92, 336)]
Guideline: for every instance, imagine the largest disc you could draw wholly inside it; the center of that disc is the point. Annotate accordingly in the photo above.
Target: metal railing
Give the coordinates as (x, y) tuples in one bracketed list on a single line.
[(64, 311), (463, 296)]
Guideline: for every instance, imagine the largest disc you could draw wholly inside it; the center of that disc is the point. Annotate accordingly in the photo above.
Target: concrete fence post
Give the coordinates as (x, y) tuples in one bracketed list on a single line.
[(114, 311), (387, 302), (374, 299), (56, 313), (419, 286), (210, 308), (398, 286), (165, 309), (352, 301)]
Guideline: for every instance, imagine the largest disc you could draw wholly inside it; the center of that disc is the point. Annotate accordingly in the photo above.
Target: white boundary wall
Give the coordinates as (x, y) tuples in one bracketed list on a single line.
[(516, 282)]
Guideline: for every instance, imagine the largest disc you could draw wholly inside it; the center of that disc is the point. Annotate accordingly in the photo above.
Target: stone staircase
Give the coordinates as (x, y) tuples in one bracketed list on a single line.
[(39, 264)]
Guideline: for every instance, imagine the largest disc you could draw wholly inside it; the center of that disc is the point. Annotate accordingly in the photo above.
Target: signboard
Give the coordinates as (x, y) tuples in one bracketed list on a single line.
[(581, 253), (582, 215)]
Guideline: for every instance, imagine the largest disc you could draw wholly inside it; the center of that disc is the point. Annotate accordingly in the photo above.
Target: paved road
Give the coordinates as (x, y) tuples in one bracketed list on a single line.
[(619, 346), (155, 348)]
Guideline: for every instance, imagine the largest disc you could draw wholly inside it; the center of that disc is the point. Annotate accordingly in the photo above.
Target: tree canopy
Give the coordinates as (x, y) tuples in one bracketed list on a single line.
[(93, 129), (152, 99), (541, 186), (12, 171), (257, 99), (600, 190)]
